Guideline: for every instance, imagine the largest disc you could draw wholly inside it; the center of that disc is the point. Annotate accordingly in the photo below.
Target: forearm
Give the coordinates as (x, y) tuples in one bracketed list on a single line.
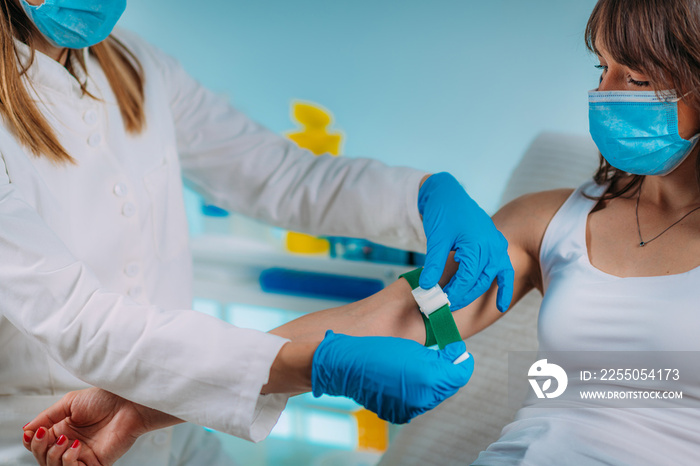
[(390, 312), (154, 419), (393, 312), (291, 370)]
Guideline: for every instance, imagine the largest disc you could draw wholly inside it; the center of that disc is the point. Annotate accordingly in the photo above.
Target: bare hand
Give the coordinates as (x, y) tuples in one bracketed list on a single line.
[(90, 427)]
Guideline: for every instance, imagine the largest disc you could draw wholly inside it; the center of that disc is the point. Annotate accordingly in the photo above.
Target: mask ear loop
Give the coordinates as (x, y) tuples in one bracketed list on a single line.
[(693, 140), (696, 137), (678, 99)]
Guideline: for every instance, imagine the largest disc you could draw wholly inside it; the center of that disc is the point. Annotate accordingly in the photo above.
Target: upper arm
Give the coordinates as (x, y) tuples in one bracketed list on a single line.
[(241, 166), (523, 222)]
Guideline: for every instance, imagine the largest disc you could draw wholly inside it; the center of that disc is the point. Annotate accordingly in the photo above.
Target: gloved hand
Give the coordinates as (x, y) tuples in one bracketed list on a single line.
[(397, 379), (454, 222)]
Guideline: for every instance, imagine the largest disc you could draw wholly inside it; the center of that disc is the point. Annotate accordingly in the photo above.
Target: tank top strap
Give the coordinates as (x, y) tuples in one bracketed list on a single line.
[(564, 239)]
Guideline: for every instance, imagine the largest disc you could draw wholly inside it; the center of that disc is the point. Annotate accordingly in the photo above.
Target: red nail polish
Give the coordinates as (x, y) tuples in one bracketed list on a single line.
[(27, 438), (25, 426), (76, 444), (40, 433), (61, 440)]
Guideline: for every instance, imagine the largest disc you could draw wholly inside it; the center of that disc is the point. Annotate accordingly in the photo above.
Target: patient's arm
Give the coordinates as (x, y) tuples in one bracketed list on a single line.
[(393, 311), (523, 222)]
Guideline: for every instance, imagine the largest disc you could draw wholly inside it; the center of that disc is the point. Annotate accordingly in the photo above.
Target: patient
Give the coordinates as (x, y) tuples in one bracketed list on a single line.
[(616, 260)]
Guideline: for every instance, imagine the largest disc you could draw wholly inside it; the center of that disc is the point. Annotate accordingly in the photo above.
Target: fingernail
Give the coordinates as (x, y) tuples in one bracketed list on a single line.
[(40, 433), (61, 440), (25, 426), (27, 438), (76, 444)]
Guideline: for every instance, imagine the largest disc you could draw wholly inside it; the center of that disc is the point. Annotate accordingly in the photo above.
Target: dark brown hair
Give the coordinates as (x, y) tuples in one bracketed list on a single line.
[(659, 38), (18, 110)]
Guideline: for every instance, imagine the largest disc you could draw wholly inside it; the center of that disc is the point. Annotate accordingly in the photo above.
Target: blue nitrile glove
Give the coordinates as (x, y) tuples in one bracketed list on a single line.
[(396, 378), (454, 222)]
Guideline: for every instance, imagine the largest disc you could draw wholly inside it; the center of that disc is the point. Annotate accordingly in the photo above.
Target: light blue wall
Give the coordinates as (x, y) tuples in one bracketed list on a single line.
[(457, 85)]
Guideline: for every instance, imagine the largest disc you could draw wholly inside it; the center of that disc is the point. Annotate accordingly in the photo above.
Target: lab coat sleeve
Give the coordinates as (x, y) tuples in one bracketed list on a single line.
[(184, 363), (241, 166)]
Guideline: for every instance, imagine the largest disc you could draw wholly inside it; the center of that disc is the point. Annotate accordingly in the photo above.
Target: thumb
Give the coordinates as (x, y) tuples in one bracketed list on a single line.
[(51, 415), (435, 260), (454, 350), (462, 371), (458, 289)]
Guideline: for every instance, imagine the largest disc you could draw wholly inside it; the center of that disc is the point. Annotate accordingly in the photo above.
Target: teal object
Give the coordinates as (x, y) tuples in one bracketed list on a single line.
[(318, 285), (75, 23), (454, 222), (395, 378), (364, 250), (214, 211), (637, 131)]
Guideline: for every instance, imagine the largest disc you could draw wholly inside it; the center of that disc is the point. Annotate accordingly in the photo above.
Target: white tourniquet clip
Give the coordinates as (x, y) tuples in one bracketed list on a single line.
[(435, 305)]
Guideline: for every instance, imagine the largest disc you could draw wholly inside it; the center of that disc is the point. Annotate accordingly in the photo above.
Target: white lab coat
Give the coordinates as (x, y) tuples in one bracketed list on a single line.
[(95, 270)]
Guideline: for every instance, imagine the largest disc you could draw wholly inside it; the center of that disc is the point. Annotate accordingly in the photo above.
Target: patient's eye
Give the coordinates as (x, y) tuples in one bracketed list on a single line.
[(630, 80), (637, 83)]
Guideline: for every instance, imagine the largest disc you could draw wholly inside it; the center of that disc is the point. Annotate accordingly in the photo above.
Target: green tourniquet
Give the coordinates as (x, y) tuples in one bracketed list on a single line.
[(444, 327), (430, 339), (440, 328), (412, 278)]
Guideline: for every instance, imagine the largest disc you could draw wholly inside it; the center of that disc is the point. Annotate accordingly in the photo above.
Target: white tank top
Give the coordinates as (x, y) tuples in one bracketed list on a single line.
[(586, 309)]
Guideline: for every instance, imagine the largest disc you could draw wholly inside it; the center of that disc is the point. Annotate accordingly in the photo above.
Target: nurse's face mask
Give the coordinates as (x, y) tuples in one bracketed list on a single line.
[(75, 23), (637, 131)]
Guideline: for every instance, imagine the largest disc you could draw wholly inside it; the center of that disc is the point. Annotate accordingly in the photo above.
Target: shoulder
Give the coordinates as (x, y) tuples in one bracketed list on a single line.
[(524, 220), (163, 72), (135, 43), (535, 207), (149, 56)]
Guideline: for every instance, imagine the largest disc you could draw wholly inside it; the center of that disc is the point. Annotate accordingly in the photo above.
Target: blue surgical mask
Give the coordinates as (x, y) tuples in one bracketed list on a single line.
[(637, 131), (75, 23)]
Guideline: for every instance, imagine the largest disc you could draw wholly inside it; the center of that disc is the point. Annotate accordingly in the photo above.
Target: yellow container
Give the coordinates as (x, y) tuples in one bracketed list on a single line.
[(316, 137), (372, 432), (301, 243)]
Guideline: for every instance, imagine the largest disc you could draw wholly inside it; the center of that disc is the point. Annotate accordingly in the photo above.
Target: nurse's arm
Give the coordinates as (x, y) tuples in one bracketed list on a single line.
[(393, 311), (105, 425), (390, 312)]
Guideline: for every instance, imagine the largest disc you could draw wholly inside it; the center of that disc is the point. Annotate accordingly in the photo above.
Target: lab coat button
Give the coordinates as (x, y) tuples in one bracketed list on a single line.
[(90, 117), (128, 210), (94, 140), (120, 189), (135, 291), (131, 270), (160, 439)]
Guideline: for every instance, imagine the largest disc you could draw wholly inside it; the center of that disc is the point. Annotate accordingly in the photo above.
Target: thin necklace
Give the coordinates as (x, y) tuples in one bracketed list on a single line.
[(643, 243)]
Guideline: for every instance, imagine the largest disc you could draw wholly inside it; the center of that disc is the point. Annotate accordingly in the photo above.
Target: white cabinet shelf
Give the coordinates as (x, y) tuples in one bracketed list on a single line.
[(227, 269)]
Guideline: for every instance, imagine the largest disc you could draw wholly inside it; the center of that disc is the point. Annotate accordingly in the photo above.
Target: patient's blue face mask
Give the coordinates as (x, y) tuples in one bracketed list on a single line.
[(75, 23), (637, 131)]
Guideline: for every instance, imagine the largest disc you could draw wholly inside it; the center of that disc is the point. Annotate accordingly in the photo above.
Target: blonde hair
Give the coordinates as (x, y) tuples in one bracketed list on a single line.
[(20, 113)]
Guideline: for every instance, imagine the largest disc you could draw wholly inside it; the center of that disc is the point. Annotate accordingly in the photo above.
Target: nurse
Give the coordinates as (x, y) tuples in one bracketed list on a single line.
[(98, 131), (617, 260)]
